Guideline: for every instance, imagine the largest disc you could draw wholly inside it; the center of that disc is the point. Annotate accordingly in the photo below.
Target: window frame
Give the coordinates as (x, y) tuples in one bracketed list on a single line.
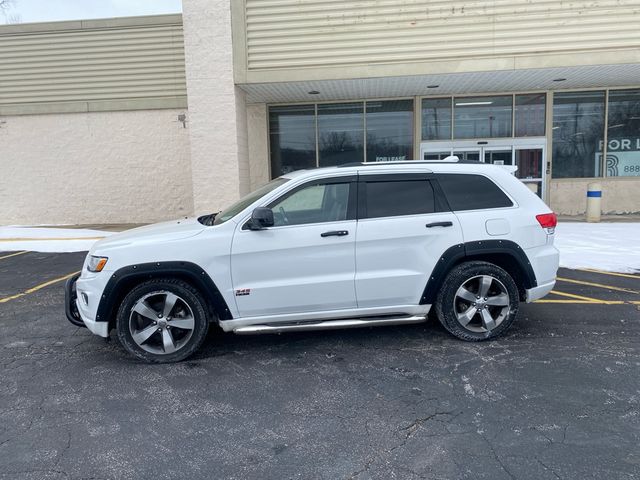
[(513, 205), (440, 204), (315, 105), (352, 180)]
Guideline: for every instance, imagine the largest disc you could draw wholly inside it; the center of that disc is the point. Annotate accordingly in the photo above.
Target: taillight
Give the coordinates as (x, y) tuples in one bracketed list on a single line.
[(548, 221)]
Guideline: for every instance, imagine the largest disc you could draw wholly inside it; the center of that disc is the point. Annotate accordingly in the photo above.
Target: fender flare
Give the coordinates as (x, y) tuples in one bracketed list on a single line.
[(476, 250), (122, 279)]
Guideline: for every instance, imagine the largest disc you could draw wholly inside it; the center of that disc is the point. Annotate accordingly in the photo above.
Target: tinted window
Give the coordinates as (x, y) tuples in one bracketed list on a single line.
[(482, 117), (623, 147), (340, 133), (436, 119), (472, 192), (394, 198), (389, 130), (292, 137), (530, 115), (314, 203), (578, 132)]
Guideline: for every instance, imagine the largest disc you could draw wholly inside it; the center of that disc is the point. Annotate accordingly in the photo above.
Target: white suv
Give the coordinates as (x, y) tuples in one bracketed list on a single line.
[(350, 246)]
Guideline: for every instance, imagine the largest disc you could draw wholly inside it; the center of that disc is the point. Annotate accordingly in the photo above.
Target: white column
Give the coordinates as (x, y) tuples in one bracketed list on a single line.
[(217, 108), (258, 144)]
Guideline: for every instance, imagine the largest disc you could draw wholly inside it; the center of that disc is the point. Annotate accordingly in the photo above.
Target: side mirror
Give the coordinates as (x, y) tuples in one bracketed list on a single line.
[(261, 217)]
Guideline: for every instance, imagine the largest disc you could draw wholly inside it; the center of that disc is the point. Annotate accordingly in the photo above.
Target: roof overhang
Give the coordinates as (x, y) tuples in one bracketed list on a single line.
[(466, 83)]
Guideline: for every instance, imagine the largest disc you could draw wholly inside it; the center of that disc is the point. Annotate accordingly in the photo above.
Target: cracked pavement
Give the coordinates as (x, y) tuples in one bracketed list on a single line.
[(558, 397)]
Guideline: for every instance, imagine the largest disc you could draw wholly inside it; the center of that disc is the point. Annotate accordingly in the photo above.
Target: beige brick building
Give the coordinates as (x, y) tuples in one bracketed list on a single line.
[(148, 118)]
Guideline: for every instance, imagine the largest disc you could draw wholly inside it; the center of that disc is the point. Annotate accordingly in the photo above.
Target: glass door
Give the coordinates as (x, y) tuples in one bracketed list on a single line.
[(435, 154), (528, 154), (468, 154), (498, 155), (530, 161)]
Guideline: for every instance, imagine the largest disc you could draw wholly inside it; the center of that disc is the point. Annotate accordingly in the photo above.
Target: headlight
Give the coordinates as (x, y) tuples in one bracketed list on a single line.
[(96, 264)]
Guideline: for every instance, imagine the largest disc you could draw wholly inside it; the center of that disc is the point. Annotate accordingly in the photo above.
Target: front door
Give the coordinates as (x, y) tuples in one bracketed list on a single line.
[(306, 261)]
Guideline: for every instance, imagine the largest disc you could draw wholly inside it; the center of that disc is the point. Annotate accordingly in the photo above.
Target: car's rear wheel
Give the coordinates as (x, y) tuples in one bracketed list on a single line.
[(477, 301), (162, 321)]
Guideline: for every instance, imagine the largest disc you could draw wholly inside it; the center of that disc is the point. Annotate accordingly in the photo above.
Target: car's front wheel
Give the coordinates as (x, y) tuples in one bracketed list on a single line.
[(162, 321), (477, 301)]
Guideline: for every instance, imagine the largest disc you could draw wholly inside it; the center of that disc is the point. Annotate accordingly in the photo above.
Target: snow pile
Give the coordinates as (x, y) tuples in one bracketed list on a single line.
[(41, 239), (614, 247)]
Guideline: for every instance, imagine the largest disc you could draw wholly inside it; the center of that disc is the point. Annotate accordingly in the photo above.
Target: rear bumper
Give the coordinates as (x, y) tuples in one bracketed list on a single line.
[(544, 261), (73, 310), (539, 291)]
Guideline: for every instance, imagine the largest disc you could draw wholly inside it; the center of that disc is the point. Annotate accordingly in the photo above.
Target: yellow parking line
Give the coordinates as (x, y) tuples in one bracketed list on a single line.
[(582, 299), (46, 239), (599, 285), (615, 274), (590, 302), (576, 297), (14, 254), (37, 287)]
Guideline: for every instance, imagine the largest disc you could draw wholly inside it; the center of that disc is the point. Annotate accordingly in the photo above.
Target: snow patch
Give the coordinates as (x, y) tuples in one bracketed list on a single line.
[(613, 247), (38, 239)]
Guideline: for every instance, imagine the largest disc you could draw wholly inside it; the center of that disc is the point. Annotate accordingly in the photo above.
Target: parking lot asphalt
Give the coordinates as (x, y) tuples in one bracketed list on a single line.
[(557, 397)]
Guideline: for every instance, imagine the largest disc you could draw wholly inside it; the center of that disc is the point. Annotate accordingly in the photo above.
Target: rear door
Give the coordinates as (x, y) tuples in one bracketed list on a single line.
[(403, 229)]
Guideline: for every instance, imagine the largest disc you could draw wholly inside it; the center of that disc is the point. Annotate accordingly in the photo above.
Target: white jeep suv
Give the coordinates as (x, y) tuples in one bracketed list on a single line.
[(350, 246)]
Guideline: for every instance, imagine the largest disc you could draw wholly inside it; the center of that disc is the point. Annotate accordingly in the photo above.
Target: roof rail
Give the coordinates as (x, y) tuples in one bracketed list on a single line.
[(412, 162)]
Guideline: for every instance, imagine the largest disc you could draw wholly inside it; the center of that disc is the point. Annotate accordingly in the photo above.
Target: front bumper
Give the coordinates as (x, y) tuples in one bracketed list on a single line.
[(73, 310), (70, 307)]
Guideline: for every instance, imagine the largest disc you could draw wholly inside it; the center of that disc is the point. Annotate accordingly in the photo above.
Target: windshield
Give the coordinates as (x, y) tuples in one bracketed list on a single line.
[(244, 202)]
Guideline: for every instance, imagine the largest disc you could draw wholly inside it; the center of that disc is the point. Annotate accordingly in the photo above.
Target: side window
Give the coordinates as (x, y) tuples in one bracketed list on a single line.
[(391, 198), (471, 192), (313, 203)]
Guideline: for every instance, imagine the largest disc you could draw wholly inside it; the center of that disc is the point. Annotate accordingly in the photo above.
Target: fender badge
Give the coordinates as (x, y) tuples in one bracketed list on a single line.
[(243, 292)]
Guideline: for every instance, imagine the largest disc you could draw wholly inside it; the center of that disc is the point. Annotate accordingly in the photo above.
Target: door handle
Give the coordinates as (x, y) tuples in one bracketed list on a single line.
[(439, 224), (335, 233)]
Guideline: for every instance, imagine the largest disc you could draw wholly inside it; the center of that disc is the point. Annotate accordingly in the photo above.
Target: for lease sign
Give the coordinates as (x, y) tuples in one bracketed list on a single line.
[(623, 157)]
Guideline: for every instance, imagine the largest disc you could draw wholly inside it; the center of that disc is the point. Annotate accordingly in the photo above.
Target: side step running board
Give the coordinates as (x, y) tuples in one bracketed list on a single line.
[(327, 325)]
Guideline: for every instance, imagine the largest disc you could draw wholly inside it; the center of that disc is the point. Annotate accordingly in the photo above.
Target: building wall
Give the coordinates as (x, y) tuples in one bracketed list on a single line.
[(310, 40), (108, 167), (92, 65), (619, 195)]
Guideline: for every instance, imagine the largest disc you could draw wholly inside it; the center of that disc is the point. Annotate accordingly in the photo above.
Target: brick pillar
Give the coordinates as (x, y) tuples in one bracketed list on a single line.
[(217, 108)]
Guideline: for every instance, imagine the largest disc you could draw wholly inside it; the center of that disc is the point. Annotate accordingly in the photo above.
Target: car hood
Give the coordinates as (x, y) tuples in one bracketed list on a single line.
[(156, 233)]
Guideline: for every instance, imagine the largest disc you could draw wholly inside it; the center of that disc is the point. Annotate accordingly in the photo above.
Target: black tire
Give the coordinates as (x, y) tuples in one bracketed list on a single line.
[(189, 309), (466, 275)]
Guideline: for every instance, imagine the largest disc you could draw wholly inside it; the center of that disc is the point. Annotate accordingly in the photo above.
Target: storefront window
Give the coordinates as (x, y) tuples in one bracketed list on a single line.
[(483, 117), (436, 119), (340, 133), (292, 136), (623, 134), (578, 130), (389, 130), (530, 115)]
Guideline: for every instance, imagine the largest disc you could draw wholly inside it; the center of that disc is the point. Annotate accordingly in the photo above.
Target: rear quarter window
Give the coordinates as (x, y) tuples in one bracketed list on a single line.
[(472, 192)]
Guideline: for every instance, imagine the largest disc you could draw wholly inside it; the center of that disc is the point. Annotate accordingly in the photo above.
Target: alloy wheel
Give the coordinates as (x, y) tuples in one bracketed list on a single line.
[(161, 322), (481, 303)]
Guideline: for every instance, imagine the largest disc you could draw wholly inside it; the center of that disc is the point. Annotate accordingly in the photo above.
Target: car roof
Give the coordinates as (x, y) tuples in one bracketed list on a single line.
[(413, 165)]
